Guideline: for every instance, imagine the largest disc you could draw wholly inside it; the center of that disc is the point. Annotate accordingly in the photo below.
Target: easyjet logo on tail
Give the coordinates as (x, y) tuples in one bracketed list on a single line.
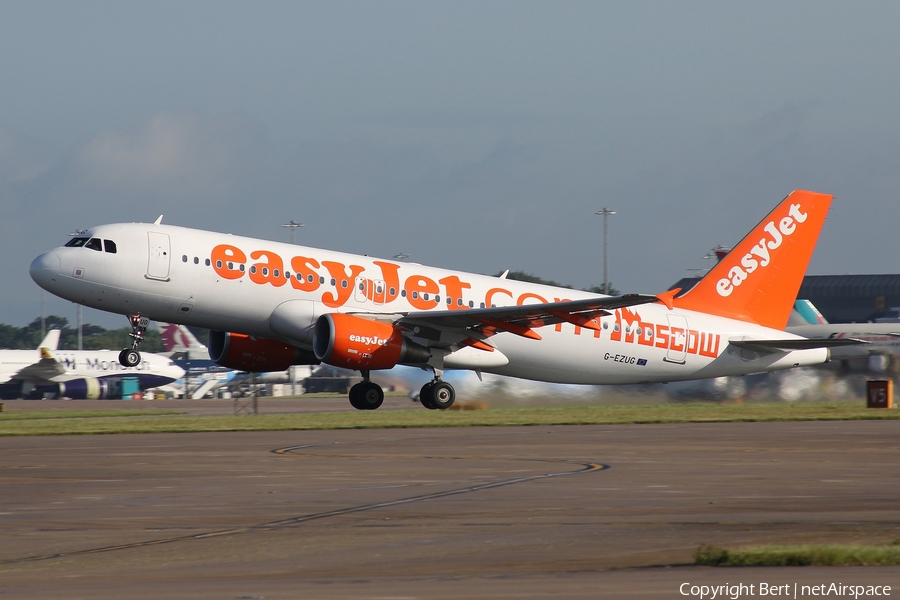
[(758, 281), (759, 255)]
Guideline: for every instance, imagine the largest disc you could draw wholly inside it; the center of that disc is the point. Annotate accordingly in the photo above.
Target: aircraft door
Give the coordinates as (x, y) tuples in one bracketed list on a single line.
[(369, 289), (158, 263), (378, 291), (360, 287), (678, 339)]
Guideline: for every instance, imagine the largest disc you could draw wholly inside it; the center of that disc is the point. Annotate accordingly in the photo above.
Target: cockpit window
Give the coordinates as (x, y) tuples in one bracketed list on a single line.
[(76, 242), (110, 246), (94, 244)]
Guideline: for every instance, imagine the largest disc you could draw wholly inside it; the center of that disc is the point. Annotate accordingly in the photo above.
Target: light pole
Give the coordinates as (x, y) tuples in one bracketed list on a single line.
[(605, 212), (292, 225)]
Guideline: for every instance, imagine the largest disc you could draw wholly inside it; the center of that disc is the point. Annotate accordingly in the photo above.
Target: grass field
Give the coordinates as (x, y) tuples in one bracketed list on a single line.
[(73, 421), (788, 556)]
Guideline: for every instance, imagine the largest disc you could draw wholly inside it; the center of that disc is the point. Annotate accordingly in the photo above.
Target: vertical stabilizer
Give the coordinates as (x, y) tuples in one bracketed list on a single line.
[(178, 339), (51, 341), (810, 314), (759, 279)]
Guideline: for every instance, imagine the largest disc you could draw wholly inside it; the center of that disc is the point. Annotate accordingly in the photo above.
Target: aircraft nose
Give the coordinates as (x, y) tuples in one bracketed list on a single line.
[(44, 269), (176, 372)]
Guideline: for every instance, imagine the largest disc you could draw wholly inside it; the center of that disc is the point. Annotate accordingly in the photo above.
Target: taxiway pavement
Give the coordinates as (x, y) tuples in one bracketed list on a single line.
[(517, 512)]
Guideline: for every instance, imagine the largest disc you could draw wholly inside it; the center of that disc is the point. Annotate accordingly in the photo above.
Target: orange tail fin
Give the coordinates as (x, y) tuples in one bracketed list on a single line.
[(759, 279)]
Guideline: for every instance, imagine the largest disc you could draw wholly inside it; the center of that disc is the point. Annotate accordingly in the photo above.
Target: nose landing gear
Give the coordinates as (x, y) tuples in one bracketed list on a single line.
[(131, 357)]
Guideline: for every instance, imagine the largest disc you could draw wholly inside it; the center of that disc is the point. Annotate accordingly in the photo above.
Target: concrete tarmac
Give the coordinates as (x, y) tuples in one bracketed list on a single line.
[(518, 512)]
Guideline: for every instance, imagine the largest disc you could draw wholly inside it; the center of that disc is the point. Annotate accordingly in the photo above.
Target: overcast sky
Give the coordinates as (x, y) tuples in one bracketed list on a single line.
[(477, 136)]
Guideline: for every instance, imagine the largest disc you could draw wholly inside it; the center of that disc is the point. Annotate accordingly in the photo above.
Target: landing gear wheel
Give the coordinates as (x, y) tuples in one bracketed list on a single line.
[(426, 396), (129, 358), (366, 396), (354, 397), (371, 396), (442, 395)]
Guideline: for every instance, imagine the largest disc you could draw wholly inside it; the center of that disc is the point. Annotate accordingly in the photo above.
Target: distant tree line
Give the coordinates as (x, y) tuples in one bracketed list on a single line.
[(94, 337), (523, 276)]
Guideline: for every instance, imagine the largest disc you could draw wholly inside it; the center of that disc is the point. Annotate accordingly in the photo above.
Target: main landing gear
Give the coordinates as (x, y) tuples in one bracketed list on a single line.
[(130, 357), (437, 394), (366, 395)]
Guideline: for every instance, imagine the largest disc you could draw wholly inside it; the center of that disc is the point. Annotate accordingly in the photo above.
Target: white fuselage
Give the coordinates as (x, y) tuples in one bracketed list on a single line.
[(79, 373), (880, 338), (276, 290)]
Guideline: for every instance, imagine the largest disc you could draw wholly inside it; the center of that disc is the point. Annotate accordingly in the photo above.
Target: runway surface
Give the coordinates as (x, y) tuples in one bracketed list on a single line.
[(519, 512)]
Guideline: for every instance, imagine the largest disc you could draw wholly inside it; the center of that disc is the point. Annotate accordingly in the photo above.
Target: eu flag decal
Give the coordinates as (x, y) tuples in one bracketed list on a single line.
[(642, 362)]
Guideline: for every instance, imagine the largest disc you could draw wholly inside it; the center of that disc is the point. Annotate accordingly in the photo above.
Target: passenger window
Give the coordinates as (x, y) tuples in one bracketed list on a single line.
[(184, 258), (94, 244), (196, 261), (110, 246), (76, 242)]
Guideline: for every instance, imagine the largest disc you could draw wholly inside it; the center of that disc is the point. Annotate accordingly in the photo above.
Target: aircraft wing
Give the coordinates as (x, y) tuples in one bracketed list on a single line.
[(44, 369), (477, 324)]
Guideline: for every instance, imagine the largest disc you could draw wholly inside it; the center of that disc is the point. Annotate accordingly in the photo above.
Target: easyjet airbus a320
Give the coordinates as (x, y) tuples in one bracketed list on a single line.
[(269, 305)]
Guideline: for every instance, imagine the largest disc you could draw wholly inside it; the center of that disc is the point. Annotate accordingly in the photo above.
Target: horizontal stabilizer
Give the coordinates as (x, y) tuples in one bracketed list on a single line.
[(768, 346)]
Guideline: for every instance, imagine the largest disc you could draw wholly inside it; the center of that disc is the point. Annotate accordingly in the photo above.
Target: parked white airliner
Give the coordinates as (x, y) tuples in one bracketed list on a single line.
[(77, 374), (271, 305)]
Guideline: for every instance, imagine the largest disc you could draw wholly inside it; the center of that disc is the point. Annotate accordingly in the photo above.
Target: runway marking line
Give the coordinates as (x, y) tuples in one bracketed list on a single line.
[(588, 467)]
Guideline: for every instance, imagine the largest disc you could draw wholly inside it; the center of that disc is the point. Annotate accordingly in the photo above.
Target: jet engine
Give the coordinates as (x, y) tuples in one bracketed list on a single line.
[(355, 343), (254, 354), (88, 388)]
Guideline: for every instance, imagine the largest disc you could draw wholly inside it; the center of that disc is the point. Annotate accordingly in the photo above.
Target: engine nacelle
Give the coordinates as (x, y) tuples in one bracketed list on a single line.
[(88, 388), (253, 354), (355, 343)]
